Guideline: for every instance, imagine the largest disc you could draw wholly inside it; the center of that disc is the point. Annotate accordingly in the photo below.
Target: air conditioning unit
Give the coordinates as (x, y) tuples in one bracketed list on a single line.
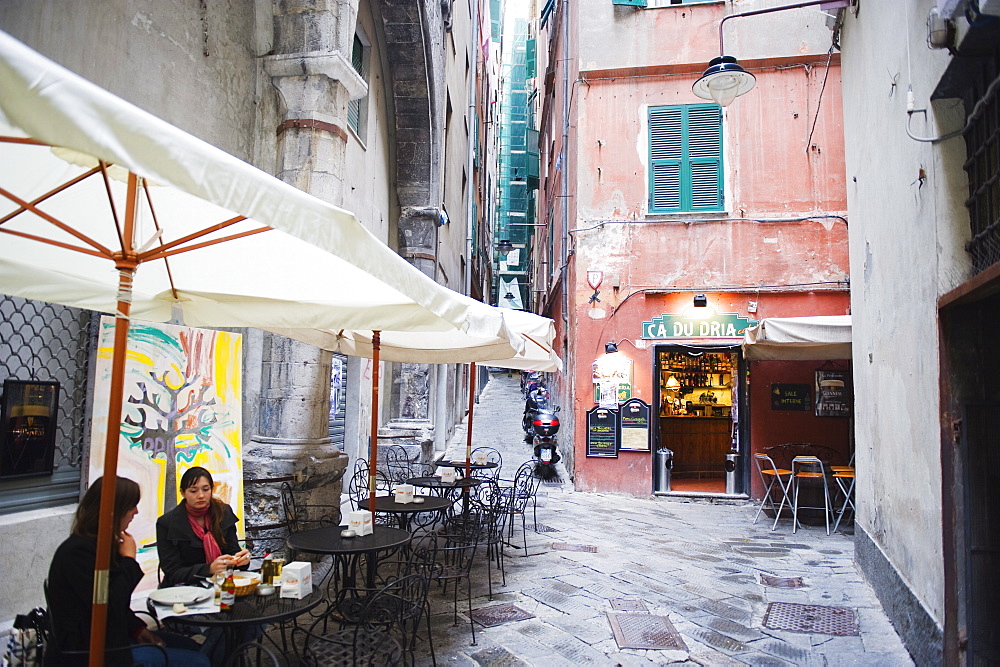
[(989, 7), (949, 9)]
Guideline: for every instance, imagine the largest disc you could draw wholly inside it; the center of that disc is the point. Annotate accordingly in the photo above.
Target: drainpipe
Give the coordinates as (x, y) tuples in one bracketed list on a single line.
[(564, 189)]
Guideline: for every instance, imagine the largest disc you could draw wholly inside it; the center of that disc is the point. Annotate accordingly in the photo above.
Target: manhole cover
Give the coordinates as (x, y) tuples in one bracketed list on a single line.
[(499, 613), (645, 631), (565, 546), (781, 582), (628, 605), (838, 621), (542, 528)]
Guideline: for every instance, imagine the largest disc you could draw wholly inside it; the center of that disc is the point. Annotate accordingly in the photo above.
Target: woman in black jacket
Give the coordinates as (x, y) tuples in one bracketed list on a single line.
[(197, 539), (71, 591)]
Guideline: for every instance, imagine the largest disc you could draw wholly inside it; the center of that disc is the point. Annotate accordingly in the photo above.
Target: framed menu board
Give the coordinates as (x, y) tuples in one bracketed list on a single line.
[(634, 417), (602, 432)]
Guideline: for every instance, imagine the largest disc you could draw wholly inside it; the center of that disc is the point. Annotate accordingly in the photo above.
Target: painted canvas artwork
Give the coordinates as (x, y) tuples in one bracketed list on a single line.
[(182, 408)]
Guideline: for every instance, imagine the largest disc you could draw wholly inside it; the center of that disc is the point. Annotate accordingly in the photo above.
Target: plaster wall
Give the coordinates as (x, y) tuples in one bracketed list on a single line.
[(27, 542), (688, 35), (192, 64), (906, 242)]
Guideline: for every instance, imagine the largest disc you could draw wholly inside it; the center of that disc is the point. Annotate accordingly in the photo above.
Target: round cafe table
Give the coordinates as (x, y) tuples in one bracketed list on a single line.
[(406, 511), (347, 551), (445, 489), (460, 465), (249, 610)]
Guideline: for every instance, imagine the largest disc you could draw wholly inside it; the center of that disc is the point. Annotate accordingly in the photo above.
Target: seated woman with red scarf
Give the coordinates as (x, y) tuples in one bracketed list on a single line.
[(197, 539)]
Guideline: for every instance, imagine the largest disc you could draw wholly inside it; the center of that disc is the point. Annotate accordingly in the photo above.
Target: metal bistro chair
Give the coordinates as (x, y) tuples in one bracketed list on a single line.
[(379, 628), (492, 456), (519, 491), (810, 468), (771, 475), (845, 482)]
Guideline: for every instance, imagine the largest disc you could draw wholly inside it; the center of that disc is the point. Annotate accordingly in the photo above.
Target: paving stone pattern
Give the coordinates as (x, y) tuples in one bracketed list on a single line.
[(699, 563)]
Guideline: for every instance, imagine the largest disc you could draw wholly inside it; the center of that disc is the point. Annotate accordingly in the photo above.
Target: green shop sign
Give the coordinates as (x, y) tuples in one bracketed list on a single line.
[(720, 325)]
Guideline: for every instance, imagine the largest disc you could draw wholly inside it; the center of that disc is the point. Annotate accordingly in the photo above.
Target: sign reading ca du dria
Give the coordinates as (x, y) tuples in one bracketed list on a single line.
[(720, 325)]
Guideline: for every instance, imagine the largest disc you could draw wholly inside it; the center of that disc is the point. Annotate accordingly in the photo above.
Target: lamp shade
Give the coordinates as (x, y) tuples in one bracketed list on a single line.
[(610, 347), (504, 247), (723, 81)]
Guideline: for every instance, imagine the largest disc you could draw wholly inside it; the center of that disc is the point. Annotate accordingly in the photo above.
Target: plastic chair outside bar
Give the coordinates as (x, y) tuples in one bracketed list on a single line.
[(770, 475), (810, 468)]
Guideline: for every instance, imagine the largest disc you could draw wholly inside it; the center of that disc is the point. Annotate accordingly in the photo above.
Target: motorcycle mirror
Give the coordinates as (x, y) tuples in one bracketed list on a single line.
[(558, 408)]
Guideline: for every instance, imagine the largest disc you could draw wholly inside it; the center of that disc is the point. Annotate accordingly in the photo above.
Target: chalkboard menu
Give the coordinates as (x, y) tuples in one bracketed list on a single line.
[(634, 416), (790, 397), (602, 432)]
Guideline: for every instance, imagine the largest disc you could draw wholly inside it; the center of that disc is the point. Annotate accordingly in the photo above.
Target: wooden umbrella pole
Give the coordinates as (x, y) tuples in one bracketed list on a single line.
[(105, 532), (468, 431), (373, 454)]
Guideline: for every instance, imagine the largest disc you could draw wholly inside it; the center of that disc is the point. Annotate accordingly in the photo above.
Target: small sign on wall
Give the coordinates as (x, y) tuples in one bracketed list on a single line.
[(602, 432), (791, 397), (833, 393)]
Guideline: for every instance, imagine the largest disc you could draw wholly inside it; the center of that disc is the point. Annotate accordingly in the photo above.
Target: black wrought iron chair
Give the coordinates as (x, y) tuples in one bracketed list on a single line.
[(519, 492), (395, 465), (489, 510), (254, 654), (492, 456), (448, 556), (302, 516), (377, 628)]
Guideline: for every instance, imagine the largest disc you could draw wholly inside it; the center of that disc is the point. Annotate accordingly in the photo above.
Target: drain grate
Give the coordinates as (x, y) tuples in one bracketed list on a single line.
[(498, 614), (781, 582), (645, 631), (565, 546), (628, 605), (542, 528), (838, 621)]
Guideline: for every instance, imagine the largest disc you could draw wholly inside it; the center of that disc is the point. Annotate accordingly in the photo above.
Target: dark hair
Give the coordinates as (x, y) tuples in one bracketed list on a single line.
[(88, 514), (216, 506)]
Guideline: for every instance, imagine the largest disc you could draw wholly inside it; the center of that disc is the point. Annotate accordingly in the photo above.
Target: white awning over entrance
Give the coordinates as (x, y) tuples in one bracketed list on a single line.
[(818, 337)]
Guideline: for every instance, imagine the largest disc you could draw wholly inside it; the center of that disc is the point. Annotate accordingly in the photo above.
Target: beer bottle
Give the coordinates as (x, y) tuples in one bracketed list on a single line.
[(228, 593)]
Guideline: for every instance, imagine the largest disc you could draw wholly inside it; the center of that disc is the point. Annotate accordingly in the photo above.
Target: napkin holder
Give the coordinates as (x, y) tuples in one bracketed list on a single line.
[(296, 580), (447, 474), (404, 494), (479, 458), (360, 521)]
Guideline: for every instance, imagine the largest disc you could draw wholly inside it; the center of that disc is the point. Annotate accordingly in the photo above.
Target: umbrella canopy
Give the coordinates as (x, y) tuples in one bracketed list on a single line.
[(267, 254), (818, 337), (523, 338)]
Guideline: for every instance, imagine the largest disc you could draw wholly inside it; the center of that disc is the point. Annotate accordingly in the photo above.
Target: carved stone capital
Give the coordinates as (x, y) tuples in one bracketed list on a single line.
[(330, 64)]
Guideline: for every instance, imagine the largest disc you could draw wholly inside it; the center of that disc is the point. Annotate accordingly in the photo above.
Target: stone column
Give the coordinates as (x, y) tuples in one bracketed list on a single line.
[(311, 68)]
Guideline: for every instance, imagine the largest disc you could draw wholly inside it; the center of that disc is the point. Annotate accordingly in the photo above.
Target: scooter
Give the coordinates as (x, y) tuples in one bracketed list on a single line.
[(537, 400), (545, 425)]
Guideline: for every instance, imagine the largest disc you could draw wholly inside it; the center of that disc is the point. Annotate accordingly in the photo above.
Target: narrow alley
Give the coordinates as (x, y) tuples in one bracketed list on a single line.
[(702, 565)]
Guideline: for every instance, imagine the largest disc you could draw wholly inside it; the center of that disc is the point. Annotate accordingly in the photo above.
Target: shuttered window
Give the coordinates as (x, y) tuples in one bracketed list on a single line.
[(355, 108), (685, 158)]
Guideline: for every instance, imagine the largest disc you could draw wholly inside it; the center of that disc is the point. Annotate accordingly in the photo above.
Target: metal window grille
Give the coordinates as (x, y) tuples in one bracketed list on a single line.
[(982, 140), (46, 342)]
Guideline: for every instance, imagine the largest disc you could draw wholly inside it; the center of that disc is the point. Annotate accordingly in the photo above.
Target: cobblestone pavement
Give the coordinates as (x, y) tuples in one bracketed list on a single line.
[(697, 563)]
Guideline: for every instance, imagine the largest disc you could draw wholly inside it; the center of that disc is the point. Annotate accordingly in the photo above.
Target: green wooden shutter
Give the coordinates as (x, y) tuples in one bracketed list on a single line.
[(633, 3), (685, 158), (354, 106), (530, 58)]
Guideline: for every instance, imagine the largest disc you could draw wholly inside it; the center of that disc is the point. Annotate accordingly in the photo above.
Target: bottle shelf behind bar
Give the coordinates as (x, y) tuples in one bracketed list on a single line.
[(696, 386)]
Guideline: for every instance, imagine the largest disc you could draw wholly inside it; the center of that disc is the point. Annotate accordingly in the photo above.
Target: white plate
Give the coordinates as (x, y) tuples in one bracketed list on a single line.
[(181, 594)]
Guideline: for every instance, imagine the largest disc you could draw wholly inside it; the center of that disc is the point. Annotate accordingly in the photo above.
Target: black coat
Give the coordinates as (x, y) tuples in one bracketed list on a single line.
[(71, 591), (182, 555)]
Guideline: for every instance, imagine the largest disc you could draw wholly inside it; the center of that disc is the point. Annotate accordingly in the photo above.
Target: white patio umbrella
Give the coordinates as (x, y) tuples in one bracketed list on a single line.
[(799, 338), (525, 343), (107, 208)]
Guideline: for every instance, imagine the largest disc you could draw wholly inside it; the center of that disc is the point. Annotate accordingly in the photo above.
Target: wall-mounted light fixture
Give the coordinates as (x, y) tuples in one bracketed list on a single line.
[(504, 247), (700, 300), (725, 80), (610, 347)]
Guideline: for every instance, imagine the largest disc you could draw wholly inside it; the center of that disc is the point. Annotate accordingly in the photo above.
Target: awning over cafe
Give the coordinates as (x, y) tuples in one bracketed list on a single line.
[(818, 337)]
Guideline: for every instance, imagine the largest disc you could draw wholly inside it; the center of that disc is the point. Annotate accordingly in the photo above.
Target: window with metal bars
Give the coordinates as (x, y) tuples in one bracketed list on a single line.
[(45, 342), (685, 158), (357, 109), (982, 140)]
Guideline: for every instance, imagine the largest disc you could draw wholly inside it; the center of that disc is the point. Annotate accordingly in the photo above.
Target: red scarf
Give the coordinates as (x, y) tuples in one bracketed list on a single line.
[(212, 550)]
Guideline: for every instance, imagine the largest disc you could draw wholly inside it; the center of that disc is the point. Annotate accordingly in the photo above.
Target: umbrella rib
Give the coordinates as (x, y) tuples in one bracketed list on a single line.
[(156, 224), (111, 201), (21, 140), (51, 193), (61, 225), (170, 249), (59, 244), (537, 343)]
